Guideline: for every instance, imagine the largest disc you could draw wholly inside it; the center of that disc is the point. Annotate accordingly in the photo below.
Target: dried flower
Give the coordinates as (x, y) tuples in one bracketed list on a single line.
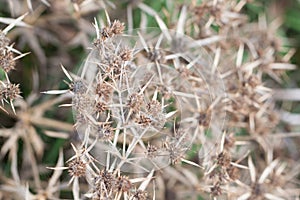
[(140, 195), (143, 120), (77, 168), (107, 179), (107, 32), (115, 66), (154, 108), (103, 89), (12, 91), (224, 159), (125, 54), (7, 61), (135, 101), (100, 107), (105, 132), (117, 27), (123, 184), (151, 151), (176, 149)]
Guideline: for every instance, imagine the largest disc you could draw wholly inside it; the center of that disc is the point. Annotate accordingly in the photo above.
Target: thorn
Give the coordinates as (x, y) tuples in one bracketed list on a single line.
[(66, 73)]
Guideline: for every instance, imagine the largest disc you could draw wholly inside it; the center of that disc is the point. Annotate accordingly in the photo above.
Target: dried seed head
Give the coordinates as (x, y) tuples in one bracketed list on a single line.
[(143, 120), (151, 151), (98, 43), (154, 107), (117, 67), (100, 107), (155, 112), (115, 62), (107, 178), (224, 159), (123, 184), (77, 168), (114, 65), (105, 132), (7, 61), (140, 195), (117, 27), (104, 90), (125, 54), (12, 91), (107, 32), (135, 101), (216, 190), (176, 150)]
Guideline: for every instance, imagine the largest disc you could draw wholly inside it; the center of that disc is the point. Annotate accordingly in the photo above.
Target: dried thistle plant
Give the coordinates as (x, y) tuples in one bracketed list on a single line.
[(9, 91), (182, 111)]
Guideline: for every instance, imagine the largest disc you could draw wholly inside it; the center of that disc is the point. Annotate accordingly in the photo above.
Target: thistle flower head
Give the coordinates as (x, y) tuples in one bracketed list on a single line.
[(7, 61), (77, 168), (123, 184)]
